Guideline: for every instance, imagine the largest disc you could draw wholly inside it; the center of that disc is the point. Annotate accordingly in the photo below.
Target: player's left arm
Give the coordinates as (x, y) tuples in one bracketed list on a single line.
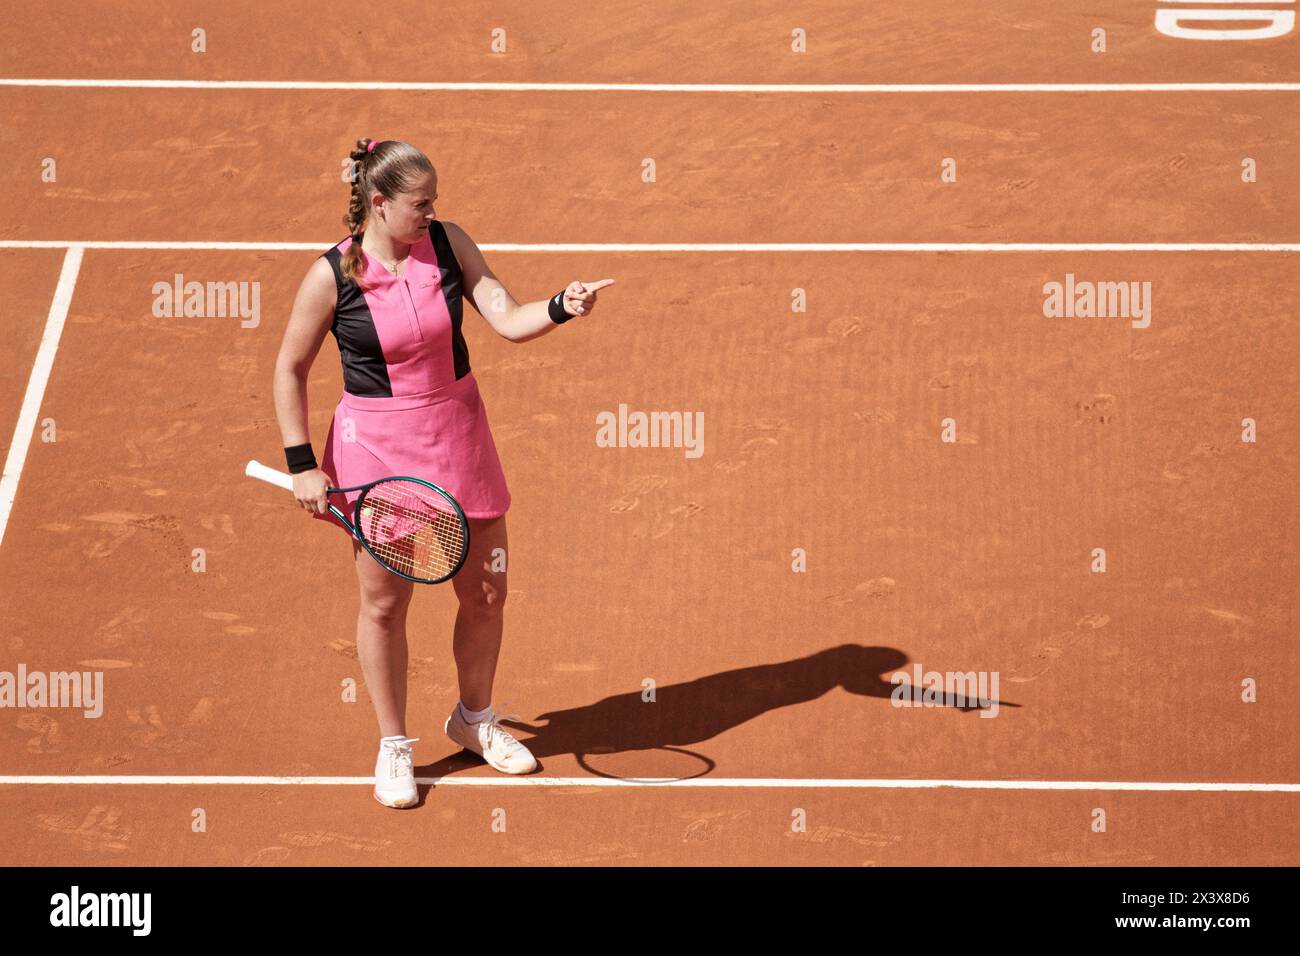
[(489, 296)]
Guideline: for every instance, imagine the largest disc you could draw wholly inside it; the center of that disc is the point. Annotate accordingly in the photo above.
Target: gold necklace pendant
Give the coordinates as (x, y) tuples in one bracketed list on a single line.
[(391, 268)]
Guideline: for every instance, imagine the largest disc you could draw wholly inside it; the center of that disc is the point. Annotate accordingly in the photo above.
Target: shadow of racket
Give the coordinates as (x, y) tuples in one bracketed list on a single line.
[(581, 755), (514, 720)]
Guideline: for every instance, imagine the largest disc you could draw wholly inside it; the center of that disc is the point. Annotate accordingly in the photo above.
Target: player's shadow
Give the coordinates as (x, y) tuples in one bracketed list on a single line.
[(690, 713)]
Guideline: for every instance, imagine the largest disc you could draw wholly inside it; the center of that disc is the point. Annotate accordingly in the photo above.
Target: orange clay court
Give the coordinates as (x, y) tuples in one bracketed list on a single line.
[(907, 467)]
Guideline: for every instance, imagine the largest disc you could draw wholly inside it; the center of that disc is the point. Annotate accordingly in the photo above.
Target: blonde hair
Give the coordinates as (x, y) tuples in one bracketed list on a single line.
[(392, 167)]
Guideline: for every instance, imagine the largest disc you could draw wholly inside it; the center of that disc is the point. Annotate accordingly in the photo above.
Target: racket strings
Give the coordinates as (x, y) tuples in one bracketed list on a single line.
[(412, 529)]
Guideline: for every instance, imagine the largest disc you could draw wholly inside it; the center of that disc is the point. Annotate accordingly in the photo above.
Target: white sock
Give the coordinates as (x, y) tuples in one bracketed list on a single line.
[(472, 716)]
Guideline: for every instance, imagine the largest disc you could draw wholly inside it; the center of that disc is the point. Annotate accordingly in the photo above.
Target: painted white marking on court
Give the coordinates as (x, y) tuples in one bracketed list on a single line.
[(697, 246), (36, 383), (739, 783), (308, 85)]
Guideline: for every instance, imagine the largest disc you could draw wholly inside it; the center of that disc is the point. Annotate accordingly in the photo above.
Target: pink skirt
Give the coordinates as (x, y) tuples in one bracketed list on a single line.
[(441, 436)]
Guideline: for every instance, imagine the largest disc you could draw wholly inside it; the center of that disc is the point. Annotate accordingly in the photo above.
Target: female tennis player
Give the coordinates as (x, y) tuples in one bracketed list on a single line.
[(391, 294)]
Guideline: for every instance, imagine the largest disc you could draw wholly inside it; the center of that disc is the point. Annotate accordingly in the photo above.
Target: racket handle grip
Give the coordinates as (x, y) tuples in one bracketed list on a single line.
[(255, 469)]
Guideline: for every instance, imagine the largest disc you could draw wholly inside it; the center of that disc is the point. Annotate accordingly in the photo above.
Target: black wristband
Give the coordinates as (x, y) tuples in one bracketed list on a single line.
[(300, 458), (556, 309)]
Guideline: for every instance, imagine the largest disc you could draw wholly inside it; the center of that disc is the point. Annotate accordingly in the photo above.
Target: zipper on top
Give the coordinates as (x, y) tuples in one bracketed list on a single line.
[(412, 315)]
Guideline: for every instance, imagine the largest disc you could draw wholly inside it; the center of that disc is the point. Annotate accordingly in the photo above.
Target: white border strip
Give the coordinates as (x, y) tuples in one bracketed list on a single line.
[(36, 383), (740, 783), (701, 246), (664, 87)]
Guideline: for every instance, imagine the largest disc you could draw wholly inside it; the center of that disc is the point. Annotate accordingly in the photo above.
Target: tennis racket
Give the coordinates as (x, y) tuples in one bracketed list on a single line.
[(410, 526)]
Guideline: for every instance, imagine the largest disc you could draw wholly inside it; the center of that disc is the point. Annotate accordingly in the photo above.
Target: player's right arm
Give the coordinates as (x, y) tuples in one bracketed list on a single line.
[(309, 321)]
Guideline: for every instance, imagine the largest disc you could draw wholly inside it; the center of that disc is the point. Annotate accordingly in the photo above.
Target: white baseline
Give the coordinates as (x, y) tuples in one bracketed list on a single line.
[(432, 87), (693, 246), (723, 782)]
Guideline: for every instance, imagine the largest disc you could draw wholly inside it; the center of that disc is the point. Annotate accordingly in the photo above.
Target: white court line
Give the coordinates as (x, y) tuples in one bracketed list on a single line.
[(35, 393), (699, 246), (663, 87), (739, 783)]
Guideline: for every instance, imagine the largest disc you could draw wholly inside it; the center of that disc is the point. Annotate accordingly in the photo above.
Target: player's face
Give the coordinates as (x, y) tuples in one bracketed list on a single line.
[(409, 214)]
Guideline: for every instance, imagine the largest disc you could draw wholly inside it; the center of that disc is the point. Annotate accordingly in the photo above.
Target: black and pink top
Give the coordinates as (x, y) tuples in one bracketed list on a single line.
[(410, 403), (401, 334)]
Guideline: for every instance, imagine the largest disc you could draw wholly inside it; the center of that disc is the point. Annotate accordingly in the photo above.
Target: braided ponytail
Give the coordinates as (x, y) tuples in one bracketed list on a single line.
[(355, 218), (389, 167)]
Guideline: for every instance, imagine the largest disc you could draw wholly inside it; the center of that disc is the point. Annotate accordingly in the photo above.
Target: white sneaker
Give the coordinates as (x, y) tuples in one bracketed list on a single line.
[(394, 775), (490, 741)]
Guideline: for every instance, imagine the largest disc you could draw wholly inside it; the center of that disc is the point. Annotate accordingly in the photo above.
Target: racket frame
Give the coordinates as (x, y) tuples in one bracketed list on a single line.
[(255, 469)]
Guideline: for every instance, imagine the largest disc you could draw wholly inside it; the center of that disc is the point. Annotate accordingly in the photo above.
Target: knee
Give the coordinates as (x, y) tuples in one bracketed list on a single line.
[(483, 597), (385, 609)]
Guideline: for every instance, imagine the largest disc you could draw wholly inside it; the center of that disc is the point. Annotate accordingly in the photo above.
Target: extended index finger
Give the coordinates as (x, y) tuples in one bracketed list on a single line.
[(595, 286)]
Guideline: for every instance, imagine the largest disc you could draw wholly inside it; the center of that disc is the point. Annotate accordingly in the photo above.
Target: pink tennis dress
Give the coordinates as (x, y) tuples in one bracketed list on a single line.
[(410, 403)]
